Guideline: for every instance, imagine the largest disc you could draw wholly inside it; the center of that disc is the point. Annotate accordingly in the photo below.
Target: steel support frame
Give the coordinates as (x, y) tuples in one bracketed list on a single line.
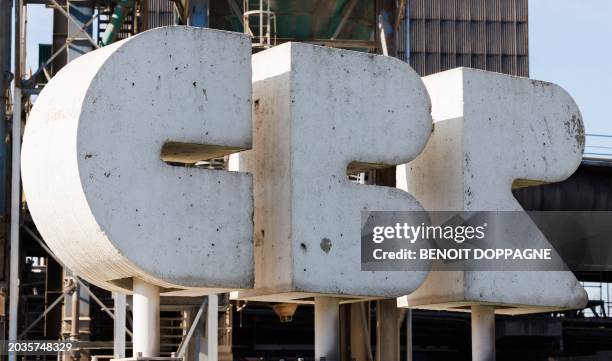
[(45, 67), (78, 19), (85, 287), (236, 10), (195, 322), (346, 13), (57, 301), (78, 39)]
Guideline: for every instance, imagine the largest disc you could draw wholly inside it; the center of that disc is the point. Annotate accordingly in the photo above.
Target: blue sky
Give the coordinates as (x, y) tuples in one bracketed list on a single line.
[(570, 43)]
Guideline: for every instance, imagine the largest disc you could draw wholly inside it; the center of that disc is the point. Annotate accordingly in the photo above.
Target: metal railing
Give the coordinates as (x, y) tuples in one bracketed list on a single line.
[(598, 146), (600, 295)]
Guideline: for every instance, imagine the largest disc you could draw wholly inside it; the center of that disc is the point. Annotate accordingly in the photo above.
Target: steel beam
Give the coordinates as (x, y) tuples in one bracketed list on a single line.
[(236, 10), (346, 13), (79, 14)]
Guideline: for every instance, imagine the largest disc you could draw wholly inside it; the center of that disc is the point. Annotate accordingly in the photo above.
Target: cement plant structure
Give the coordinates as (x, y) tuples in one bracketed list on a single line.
[(43, 300)]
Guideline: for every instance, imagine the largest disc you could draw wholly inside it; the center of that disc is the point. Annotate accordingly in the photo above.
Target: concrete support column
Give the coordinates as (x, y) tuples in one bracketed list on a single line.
[(210, 347), (146, 319), (327, 328), (359, 351), (120, 314), (387, 330), (483, 333)]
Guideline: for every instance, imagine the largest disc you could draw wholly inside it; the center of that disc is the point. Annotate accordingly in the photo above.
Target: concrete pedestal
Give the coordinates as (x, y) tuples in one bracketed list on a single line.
[(146, 319), (483, 333), (327, 328)]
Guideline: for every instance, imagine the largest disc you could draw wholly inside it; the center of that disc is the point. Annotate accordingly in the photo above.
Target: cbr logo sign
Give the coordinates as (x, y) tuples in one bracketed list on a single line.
[(104, 138)]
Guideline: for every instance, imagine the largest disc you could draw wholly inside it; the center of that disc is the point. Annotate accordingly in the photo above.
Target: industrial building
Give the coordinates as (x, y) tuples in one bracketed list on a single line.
[(43, 300)]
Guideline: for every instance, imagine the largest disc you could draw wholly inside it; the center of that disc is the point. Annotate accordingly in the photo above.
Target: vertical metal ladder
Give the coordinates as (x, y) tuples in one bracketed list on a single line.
[(260, 23)]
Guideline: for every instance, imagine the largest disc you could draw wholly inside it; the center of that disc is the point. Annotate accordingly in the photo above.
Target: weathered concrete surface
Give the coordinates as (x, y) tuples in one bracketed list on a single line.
[(317, 110), (491, 130), (94, 180)]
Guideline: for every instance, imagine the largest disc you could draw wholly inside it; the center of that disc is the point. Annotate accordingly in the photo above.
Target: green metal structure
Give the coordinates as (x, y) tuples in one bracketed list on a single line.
[(110, 34)]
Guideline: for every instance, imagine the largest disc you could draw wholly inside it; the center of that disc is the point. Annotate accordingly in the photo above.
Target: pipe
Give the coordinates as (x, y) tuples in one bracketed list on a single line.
[(75, 308), (327, 328), (114, 26), (75, 319), (409, 335), (383, 36), (483, 333), (146, 319), (261, 39), (15, 184), (5, 67), (268, 29)]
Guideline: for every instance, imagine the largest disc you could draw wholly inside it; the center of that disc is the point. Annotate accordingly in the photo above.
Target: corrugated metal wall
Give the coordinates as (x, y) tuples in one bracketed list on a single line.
[(158, 13), (483, 34)]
